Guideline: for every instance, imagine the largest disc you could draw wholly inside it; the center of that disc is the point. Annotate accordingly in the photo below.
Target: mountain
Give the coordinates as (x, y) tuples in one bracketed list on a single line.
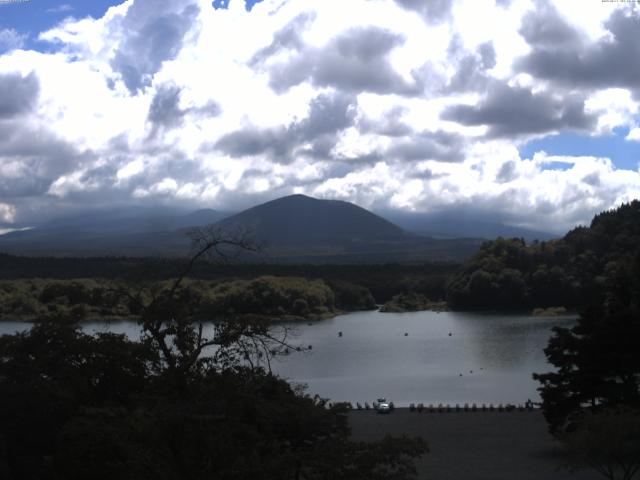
[(460, 225), (131, 231), (295, 228), (298, 219), (301, 228)]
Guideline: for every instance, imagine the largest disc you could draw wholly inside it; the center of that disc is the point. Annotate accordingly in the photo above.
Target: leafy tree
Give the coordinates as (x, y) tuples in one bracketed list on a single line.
[(597, 360), (569, 271), (189, 401)]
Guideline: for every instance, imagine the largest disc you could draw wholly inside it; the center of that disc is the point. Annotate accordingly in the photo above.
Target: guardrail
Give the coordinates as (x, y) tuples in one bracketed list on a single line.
[(449, 408)]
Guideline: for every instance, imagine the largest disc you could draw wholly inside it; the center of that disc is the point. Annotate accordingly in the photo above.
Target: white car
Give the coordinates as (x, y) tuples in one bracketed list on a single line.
[(382, 406)]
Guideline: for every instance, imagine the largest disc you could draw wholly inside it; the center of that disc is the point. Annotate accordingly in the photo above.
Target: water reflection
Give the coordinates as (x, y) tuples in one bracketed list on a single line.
[(429, 357)]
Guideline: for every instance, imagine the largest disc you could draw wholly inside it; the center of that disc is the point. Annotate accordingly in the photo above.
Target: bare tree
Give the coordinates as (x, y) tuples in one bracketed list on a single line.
[(186, 346)]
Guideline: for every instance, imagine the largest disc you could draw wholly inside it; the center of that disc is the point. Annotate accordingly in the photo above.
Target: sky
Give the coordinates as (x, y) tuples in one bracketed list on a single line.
[(520, 111)]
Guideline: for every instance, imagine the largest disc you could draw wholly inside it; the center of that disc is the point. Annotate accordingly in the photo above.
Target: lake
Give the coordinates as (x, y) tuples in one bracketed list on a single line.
[(446, 357)]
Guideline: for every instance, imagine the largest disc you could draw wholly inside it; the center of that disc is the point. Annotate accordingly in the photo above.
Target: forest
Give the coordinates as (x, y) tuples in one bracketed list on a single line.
[(265, 297), (508, 274), (31, 287)]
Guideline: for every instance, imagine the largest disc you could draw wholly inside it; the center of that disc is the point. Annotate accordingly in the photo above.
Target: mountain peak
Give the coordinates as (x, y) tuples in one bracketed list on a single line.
[(302, 219)]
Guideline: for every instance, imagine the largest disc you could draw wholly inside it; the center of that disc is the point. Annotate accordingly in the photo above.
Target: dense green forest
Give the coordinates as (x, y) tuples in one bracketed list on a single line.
[(32, 287), (569, 272), (267, 296)]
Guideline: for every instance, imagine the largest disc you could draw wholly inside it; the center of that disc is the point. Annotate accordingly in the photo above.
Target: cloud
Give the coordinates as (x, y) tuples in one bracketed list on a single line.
[(62, 8), (10, 39), (513, 111), (561, 56), (441, 146), (165, 112), (287, 38), (390, 125), (411, 105), (433, 11), (507, 172), (355, 61), (545, 27), (32, 158), (18, 94), (165, 108), (313, 135), (471, 68), (154, 32)]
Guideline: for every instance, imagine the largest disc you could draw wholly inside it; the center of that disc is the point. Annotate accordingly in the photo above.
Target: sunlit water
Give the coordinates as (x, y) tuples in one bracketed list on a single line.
[(447, 357)]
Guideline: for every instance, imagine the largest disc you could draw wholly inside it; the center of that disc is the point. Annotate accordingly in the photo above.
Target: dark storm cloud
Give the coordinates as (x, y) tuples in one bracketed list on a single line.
[(165, 112), (355, 61), (328, 115), (390, 125), (439, 145), (512, 111), (433, 11), (564, 58), (18, 94), (154, 32)]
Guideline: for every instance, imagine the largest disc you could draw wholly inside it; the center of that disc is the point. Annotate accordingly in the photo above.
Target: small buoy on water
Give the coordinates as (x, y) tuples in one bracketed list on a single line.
[(339, 334), (406, 334), (450, 334), (310, 347), (460, 374)]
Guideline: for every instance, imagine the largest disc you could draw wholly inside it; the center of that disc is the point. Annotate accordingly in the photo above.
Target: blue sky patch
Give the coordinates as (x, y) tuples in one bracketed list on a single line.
[(32, 17), (623, 153), (36, 16)]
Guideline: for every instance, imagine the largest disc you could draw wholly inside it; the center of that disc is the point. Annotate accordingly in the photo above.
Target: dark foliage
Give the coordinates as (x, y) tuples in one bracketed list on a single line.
[(569, 272), (188, 401), (88, 283), (608, 442), (597, 361)]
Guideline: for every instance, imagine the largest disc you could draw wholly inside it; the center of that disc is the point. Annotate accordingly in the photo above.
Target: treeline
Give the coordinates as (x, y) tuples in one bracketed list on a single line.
[(383, 280), (570, 272), (267, 296)]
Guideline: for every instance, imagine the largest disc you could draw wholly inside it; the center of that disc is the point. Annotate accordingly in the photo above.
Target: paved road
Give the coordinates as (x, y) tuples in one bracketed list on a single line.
[(475, 446)]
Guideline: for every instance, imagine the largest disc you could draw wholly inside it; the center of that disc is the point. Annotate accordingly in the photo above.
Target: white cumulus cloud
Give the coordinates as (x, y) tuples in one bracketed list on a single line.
[(391, 104)]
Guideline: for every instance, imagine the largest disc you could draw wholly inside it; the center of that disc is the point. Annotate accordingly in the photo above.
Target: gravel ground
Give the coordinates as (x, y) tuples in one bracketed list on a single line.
[(475, 446)]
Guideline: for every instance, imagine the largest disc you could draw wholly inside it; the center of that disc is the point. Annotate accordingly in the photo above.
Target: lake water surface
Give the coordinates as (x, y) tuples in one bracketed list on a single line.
[(447, 357)]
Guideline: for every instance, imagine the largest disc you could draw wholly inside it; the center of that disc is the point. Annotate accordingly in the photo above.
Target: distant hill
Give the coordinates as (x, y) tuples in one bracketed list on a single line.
[(460, 225), (132, 231), (292, 229)]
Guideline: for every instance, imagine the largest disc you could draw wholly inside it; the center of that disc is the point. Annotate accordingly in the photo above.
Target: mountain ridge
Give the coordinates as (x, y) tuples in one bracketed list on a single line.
[(295, 228)]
